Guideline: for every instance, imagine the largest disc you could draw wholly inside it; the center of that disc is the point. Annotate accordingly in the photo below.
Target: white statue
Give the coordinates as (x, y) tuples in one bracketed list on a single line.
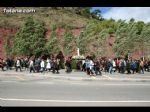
[(78, 52)]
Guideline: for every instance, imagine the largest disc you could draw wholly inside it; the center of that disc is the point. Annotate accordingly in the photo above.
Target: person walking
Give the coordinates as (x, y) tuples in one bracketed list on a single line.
[(117, 65), (83, 66), (128, 67), (123, 66), (141, 67), (31, 66), (68, 65), (114, 65), (42, 65), (133, 66), (57, 67), (26, 62), (91, 67), (148, 63), (87, 66), (110, 65), (1, 64), (8, 64), (106, 66), (97, 68), (18, 64), (48, 65)]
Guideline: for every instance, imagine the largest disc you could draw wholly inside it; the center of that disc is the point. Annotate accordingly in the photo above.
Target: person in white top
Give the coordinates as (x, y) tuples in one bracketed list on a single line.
[(48, 66), (42, 65), (18, 64), (114, 65), (91, 67), (31, 66)]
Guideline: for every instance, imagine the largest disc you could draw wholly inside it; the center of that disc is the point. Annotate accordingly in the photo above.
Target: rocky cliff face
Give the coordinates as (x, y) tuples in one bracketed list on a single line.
[(6, 32), (110, 53)]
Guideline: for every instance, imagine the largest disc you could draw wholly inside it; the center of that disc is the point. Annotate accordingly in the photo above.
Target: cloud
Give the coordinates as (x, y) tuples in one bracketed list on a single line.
[(126, 13)]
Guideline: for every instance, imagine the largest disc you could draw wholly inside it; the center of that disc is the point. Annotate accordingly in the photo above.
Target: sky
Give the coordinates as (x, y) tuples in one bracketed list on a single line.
[(125, 13)]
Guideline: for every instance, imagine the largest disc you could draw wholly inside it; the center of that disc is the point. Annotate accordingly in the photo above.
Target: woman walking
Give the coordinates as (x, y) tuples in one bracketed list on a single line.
[(48, 65)]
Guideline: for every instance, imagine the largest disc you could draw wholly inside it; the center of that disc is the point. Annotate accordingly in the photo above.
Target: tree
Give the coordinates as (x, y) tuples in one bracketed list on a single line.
[(52, 44), (68, 41), (61, 57), (125, 40), (140, 25), (96, 14), (8, 47), (81, 42), (30, 39), (130, 36), (38, 42)]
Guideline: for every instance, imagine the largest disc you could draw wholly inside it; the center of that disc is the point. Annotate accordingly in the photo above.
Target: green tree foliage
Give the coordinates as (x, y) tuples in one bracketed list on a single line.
[(60, 56), (96, 14), (124, 36), (82, 11), (81, 43), (52, 44), (74, 64), (94, 36), (30, 39), (8, 47), (54, 26), (131, 36), (68, 41), (145, 37)]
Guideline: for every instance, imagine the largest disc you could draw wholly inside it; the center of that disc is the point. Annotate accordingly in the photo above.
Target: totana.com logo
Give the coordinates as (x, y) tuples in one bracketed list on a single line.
[(18, 10)]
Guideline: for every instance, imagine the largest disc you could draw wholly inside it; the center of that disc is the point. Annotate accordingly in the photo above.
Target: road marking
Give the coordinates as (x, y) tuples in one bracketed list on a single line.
[(8, 81), (75, 83), (40, 100), (45, 82), (107, 76), (127, 84), (20, 78)]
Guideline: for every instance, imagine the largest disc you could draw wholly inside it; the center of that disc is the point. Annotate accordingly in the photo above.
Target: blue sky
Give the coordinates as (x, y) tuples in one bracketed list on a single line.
[(125, 13), (103, 9)]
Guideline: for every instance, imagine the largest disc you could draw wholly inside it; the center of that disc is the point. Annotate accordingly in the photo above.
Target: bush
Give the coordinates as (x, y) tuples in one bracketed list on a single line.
[(74, 64)]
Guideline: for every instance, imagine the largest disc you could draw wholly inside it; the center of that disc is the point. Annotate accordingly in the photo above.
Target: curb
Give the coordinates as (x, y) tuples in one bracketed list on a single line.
[(99, 79), (79, 78)]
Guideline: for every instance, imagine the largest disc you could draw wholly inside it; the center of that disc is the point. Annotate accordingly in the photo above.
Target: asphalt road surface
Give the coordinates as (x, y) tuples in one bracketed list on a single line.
[(56, 92)]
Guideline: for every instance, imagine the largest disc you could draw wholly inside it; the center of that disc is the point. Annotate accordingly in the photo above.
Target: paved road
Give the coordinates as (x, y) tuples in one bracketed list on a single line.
[(56, 92), (75, 89)]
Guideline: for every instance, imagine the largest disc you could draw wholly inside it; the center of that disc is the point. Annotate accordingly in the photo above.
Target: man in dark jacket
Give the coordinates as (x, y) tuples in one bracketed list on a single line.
[(148, 63), (97, 68), (8, 64), (1, 64), (133, 66), (68, 65), (128, 67)]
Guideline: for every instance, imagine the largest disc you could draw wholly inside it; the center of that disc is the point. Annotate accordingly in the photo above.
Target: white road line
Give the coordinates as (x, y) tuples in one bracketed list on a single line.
[(45, 82), (20, 78), (127, 84), (107, 76), (40, 100)]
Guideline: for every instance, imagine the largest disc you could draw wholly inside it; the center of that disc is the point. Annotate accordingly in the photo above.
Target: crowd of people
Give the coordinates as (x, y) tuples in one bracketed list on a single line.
[(89, 65), (34, 65), (120, 65)]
